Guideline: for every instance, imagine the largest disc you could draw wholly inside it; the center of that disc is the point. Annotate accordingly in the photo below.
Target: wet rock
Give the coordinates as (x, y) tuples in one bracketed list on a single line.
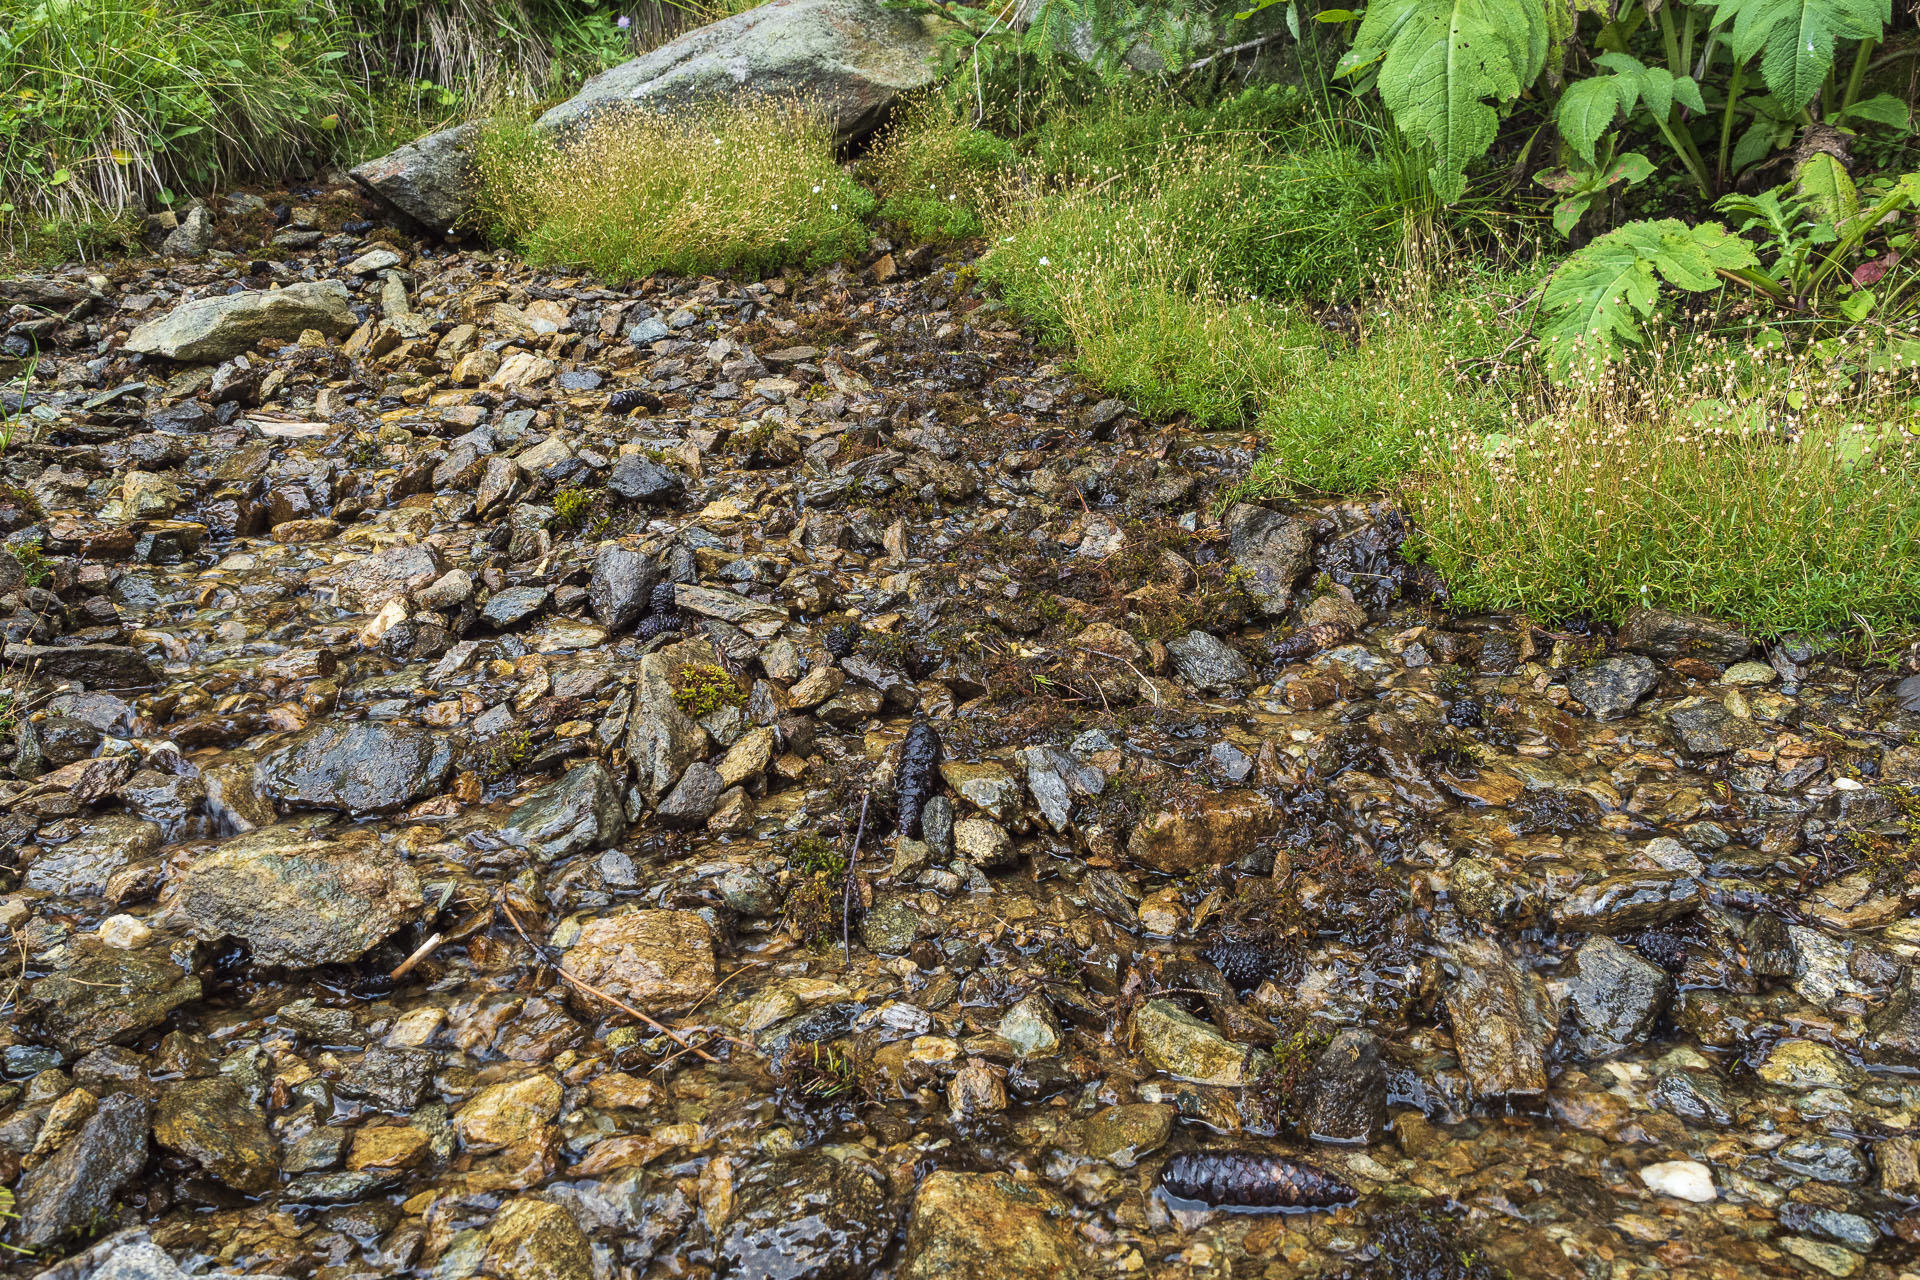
[(1202, 831), (811, 1218), (84, 864), (583, 809), (1611, 688), (1681, 1179), (225, 325), (1031, 1028), (1807, 1064), (1627, 904), (662, 740), (508, 609), (1345, 1094), (1706, 728), (890, 926), (1126, 1134), (988, 787), (1207, 663), (65, 739), (1273, 552), (215, 1122), (428, 179), (1662, 633), (79, 1186), (390, 1079), (985, 844), (660, 961), (507, 1113), (976, 1089), (850, 59), (108, 996), (366, 585), (534, 1239), (1698, 1097), (1616, 997), (109, 666), (622, 586), (1823, 1159), (364, 768), (638, 478), (1893, 1032), (694, 798), (987, 1224), (1176, 1042), (297, 901), (1503, 1020)]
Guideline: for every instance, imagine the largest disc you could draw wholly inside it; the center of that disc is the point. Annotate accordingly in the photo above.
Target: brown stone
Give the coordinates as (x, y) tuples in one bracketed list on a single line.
[(659, 961), (1202, 831)]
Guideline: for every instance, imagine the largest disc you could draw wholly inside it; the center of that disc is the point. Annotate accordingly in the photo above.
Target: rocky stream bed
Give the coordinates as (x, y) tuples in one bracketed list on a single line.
[(449, 698)]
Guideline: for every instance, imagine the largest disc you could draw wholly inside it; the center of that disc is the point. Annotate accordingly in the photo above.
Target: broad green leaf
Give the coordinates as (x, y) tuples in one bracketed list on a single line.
[(1601, 294), (1826, 186), (1884, 109), (1630, 168), (1687, 93), (1445, 66), (283, 41), (1754, 145), (60, 178), (1795, 38), (1567, 213), (1587, 110)]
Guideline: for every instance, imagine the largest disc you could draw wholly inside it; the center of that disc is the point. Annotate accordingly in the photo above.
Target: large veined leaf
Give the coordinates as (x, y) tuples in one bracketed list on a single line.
[(1586, 110), (1444, 65), (1795, 38), (1599, 296)]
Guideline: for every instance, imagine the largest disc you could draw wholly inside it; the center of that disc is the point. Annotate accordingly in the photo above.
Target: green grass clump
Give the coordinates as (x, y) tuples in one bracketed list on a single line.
[(1353, 418), (748, 187), (1781, 492), (112, 101), (935, 173)]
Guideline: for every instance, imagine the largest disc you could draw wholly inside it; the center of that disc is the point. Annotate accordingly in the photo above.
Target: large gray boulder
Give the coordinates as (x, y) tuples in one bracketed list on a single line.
[(850, 59), (222, 327)]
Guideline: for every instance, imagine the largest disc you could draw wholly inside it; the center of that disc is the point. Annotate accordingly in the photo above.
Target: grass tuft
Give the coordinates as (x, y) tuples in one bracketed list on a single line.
[(749, 187)]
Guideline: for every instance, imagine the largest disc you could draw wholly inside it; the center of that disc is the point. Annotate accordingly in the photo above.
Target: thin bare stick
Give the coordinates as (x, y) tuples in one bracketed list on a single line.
[(420, 953), (846, 891)]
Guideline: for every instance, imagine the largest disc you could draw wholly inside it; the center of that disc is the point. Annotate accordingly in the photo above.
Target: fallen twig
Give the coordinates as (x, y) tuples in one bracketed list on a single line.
[(846, 891), (420, 953)]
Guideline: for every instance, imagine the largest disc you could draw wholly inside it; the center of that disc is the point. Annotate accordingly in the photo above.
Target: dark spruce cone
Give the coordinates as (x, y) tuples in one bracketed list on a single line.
[(1245, 963), (659, 624), (919, 759), (662, 601), (625, 402), (1250, 1180), (842, 638), (1307, 641)]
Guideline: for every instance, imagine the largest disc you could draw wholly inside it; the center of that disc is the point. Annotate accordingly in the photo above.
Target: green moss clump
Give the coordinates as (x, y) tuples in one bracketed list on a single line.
[(702, 689)]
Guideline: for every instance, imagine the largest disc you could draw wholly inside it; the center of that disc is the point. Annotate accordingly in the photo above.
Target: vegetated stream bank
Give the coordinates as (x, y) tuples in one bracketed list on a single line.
[(581, 629)]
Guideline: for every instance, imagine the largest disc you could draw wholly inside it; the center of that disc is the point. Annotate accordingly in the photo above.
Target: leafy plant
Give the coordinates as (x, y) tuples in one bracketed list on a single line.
[(1601, 294), (1445, 67)]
